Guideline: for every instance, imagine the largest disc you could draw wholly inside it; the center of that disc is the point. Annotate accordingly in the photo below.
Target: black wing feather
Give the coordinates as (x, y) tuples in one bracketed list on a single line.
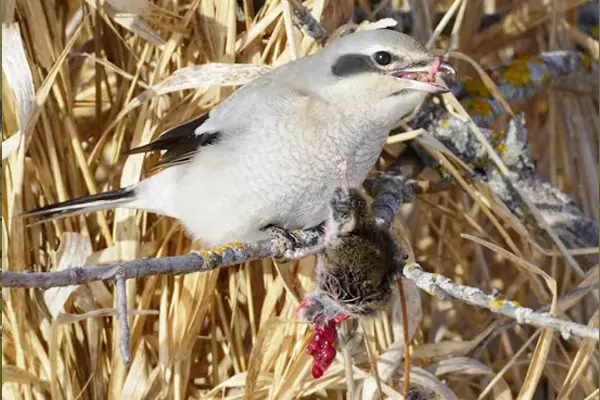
[(180, 142)]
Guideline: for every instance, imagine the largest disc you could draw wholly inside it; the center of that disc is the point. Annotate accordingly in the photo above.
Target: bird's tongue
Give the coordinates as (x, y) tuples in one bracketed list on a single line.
[(425, 76), (435, 67)]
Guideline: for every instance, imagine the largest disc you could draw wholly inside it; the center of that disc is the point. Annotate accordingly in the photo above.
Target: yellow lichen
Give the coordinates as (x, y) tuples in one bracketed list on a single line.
[(516, 303), (238, 245), (445, 123), (496, 303), (517, 73), (499, 135), (501, 148), (233, 245), (204, 254), (476, 87), (478, 106)]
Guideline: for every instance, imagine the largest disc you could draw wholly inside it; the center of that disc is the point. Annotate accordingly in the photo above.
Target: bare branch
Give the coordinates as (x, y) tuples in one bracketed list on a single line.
[(235, 253), (439, 285), (551, 69), (391, 188), (521, 79)]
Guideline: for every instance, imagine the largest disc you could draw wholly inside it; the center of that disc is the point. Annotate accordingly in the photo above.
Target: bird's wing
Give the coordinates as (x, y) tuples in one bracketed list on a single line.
[(181, 142), (255, 103)]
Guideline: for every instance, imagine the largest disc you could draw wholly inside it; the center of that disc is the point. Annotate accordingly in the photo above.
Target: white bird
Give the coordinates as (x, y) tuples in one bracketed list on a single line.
[(268, 154)]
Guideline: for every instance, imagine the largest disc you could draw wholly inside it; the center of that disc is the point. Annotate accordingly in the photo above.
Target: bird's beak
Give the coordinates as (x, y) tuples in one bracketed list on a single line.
[(423, 78)]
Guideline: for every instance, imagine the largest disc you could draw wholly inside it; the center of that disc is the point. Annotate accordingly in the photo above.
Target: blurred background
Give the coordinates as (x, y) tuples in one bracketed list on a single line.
[(84, 81)]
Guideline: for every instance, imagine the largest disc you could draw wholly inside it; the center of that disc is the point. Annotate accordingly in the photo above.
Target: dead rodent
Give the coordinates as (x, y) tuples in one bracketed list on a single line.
[(358, 266)]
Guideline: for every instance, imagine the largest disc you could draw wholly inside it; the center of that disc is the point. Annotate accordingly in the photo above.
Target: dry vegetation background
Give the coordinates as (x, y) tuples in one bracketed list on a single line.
[(201, 335)]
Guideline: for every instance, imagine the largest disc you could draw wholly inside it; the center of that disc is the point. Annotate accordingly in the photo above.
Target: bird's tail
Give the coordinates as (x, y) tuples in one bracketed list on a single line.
[(96, 202)]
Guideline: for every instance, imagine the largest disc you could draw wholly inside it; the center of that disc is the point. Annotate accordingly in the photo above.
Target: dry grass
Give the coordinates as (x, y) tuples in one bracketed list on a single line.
[(232, 332)]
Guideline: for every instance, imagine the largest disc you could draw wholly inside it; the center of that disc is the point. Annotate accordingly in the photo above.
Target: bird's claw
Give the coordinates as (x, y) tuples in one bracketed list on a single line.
[(290, 245)]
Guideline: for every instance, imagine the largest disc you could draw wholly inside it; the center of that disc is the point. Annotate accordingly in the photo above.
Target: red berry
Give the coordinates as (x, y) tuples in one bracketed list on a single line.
[(328, 354), (317, 371), (318, 356), (313, 347), (329, 333), (321, 347)]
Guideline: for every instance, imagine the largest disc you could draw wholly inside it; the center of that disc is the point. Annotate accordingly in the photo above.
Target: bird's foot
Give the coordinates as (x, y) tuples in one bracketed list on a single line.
[(296, 244)]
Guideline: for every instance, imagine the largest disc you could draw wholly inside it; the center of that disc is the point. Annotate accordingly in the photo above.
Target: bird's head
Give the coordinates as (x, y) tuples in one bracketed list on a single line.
[(382, 67)]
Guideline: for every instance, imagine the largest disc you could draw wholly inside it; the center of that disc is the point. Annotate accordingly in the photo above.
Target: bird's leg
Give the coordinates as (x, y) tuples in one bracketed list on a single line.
[(343, 176), (297, 243)]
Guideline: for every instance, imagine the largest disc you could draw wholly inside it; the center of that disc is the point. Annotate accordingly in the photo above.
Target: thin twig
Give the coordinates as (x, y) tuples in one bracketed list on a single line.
[(349, 373), (455, 35), (124, 335), (439, 285), (443, 22), (307, 23), (406, 339)]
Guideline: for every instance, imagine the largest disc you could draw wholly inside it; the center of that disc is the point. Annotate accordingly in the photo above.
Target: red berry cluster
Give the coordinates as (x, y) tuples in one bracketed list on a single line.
[(321, 347)]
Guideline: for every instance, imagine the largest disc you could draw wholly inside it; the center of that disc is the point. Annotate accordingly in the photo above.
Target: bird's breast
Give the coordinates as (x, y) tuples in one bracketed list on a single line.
[(289, 166)]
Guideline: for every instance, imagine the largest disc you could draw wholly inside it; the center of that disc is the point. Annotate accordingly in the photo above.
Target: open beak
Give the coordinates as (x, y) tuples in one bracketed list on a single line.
[(424, 78)]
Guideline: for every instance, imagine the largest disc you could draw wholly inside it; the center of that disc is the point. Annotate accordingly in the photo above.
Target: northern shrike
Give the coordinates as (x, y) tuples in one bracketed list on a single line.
[(268, 154)]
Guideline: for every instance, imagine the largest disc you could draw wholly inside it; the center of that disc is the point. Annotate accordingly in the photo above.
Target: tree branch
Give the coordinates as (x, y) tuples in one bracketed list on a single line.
[(550, 69), (235, 253), (439, 285), (524, 78)]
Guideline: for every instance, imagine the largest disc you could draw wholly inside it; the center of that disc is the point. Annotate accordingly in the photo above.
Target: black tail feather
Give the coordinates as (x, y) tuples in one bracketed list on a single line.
[(96, 202)]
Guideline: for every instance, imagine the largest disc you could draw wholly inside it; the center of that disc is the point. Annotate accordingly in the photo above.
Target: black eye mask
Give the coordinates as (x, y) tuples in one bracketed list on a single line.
[(353, 64)]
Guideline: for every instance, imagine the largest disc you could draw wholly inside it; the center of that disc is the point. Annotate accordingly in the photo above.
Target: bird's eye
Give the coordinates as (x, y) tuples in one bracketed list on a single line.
[(382, 58)]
